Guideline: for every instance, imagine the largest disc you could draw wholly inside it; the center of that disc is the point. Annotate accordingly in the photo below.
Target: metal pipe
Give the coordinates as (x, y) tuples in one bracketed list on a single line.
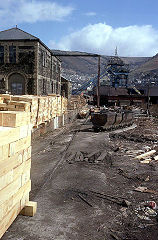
[(98, 85)]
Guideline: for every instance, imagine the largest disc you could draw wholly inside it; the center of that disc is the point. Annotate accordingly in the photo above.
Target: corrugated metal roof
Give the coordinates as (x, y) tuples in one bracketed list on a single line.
[(153, 91), (111, 91), (16, 34)]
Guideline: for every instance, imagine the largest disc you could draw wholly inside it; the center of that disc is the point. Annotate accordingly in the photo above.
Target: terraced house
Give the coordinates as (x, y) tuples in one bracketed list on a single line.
[(27, 65)]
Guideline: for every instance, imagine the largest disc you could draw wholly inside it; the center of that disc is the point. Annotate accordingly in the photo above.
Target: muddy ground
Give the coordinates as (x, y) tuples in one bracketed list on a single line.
[(84, 184)]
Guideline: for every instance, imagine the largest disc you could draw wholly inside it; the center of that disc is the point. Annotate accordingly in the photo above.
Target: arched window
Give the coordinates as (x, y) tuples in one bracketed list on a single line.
[(16, 83)]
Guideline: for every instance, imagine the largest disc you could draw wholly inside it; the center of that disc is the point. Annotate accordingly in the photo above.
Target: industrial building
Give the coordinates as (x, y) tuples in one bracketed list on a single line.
[(119, 96), (116, 74)]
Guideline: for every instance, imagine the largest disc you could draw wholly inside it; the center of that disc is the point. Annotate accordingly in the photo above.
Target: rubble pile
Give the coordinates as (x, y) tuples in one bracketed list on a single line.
[(95, 157), (137, 165), (146, 131)]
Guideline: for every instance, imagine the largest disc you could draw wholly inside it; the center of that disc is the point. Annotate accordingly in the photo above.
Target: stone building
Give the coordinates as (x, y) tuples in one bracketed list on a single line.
[(66, 87), (27, 65)]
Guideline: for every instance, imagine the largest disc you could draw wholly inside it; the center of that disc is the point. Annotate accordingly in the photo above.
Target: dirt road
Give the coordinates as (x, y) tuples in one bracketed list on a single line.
[(82, 181)]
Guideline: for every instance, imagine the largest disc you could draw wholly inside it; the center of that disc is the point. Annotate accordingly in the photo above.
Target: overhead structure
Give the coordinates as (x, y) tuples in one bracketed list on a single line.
[(78, 54)]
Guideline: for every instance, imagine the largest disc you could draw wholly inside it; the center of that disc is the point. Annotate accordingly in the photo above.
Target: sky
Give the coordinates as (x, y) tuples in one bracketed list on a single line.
[(94, 26)]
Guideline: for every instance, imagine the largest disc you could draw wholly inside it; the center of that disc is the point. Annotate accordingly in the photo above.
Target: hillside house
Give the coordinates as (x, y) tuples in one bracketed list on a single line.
[(27, 65)]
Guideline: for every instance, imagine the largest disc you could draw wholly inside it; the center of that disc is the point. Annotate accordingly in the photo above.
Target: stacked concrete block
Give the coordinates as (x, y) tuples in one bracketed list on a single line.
[(42, 108), (46, 112), (15, 165), (76, 102)]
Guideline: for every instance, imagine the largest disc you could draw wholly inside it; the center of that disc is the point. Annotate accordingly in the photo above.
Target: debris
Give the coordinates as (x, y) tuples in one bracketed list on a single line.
[(81, 197), (126, 203), (102, 156), (146, 154), (124, 212), (93, 156), (109, 196), (145, 210), (150, 212), (146, 161), (83, 113), (117, 200), (147, 179), (79, 157), (143, 217), (151, 204), (114, 236), (108, 199), (121, 172), (147, 148), (156, 158), (105, 157), (86, 159), (71, 158), (145, 190), (116, 149)]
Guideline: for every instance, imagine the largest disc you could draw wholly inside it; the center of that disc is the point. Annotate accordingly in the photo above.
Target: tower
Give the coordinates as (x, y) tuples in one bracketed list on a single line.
[(116, 53), (117, 71)]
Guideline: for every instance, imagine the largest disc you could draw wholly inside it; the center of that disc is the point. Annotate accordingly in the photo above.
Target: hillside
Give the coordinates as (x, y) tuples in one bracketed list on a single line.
[(88, 65), (135, 62), (146, 73), (150, 65)]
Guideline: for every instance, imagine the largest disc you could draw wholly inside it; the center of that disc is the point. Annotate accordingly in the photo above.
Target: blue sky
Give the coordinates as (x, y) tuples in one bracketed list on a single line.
[(87, 25)]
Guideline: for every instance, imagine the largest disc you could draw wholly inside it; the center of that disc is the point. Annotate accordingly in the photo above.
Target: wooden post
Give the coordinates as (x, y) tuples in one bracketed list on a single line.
[(148, 100), (98, 85), (29, 209)]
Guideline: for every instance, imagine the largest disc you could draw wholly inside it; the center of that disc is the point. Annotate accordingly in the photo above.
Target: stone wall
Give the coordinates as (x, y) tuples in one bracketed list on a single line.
[(35, 64), (49, 68), (25, 64)]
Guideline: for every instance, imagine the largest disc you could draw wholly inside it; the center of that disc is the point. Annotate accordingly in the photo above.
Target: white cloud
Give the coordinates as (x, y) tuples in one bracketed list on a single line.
[(103, 39), (19, 11), (90, 14)]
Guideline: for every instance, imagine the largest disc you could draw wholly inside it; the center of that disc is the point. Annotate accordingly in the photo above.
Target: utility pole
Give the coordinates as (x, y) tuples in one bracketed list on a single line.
[(98, 85), (148, 100), (148, 96)]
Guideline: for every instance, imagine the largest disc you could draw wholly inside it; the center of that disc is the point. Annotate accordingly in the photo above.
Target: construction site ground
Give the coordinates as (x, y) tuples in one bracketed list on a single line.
[(84, 184)]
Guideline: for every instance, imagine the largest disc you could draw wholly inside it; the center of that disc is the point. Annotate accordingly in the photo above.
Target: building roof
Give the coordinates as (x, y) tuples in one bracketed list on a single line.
[(63, 79), (111, 91), (16, 34), (152, 91), (13, 34)]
